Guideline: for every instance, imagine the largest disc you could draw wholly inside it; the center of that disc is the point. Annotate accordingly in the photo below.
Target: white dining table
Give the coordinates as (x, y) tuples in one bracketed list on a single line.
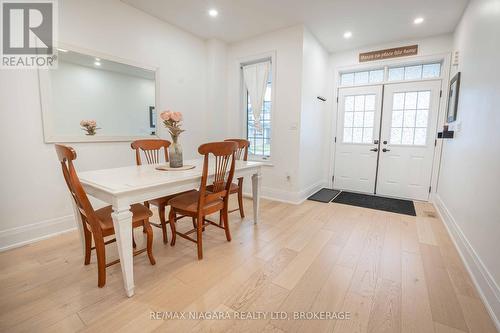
[(122, 187)]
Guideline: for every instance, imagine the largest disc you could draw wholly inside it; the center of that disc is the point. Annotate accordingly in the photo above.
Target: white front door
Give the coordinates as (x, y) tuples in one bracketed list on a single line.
[(358, 129), (410, 113)]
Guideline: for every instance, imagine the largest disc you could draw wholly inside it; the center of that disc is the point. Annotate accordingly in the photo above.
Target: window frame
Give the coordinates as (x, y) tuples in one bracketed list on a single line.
[(385, 67), (268, 56)]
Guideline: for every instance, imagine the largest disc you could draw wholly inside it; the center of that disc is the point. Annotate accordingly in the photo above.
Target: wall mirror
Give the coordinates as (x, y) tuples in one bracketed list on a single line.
[(88, 90)]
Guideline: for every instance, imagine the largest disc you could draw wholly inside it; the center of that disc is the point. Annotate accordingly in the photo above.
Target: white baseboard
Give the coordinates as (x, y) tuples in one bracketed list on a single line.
[(294, 198), (487, 287), (19, 236)]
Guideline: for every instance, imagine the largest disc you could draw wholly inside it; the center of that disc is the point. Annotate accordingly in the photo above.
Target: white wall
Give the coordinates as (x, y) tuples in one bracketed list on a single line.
[(314, 144), (287, 46), (469, 179), (117, 101), (32, 186), (426, 46), (216, 90)]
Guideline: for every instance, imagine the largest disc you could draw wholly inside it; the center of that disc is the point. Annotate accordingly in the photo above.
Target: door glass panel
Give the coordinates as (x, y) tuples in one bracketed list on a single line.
[(349, 103), (423, 99), (348, 117), (348, 134), (368, 119), (370, 103), (358, 119), (409, 126), (397, 118), (409, 118), (410, 100), (357, 135), (398, 102), (359, 103), (407, 136), (420, 136), (358, 125), (421, 120), (367, 135), (395, 136)]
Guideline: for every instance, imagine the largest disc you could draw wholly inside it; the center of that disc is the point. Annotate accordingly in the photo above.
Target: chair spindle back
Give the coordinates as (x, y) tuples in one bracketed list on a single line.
[(151, 149), (242, 150), (224, 163)]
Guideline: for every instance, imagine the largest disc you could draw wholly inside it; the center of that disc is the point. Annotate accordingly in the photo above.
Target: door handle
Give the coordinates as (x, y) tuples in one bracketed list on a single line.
[(374, 149), (385, 150)]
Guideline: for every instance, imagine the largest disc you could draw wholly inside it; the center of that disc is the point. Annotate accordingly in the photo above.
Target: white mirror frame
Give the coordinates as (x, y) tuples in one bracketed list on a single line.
[(46, 101)]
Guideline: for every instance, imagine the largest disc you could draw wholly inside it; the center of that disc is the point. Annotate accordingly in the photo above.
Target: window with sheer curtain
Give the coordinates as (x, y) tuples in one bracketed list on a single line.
[(260, 138)]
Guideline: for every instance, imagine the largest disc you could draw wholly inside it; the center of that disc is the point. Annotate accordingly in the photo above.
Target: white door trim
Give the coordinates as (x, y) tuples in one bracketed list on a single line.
[(445, 58)]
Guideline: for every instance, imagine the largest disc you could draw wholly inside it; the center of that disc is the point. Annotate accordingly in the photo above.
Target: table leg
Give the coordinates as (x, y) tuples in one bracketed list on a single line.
[(122, 222), (256, 183)]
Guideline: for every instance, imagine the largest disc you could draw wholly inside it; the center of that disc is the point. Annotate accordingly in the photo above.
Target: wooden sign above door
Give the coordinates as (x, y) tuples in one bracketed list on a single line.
[(396, 52)]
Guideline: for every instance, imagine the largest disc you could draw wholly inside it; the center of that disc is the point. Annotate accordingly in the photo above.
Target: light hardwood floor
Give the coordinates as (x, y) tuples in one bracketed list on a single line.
[(393, 273)]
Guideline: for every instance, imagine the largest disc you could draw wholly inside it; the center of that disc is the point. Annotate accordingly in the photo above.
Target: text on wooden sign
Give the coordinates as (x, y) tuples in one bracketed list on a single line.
[(389, 53)]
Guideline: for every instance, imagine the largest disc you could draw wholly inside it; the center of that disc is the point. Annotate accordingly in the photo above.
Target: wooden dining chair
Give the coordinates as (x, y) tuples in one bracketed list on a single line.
[(199, 204), (241, 154), (98, 224), (151, 149)]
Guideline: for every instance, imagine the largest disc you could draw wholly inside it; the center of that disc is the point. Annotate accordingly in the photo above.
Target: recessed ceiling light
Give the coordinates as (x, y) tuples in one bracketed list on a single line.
[(62, 50), (347, 34), (97, 63), (213, 12), (418, 20)]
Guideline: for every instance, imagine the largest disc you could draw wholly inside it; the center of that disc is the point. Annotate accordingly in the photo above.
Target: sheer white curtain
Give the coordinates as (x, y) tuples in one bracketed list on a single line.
[(255, 77)]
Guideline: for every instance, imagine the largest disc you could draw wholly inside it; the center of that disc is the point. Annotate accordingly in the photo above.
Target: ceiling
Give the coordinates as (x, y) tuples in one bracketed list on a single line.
[(371, 21)]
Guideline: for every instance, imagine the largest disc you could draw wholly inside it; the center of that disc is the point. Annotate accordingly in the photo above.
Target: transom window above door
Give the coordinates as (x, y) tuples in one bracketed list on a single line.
[(391, 74), (359, 111)]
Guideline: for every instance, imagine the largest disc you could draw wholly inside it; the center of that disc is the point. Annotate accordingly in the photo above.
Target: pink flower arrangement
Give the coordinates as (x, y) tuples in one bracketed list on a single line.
[(172, 121), (87, 123), (170, 115), (90, 126)]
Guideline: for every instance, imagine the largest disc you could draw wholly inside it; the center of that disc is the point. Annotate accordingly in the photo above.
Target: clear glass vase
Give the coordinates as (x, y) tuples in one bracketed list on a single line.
[(175, 153)]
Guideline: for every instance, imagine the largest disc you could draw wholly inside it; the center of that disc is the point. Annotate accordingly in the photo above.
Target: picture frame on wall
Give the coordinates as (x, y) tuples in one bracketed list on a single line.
[(451, 114), (152, 117)]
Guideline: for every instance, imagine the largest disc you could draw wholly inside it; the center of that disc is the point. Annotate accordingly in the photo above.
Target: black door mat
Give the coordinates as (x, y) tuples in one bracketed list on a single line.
[(324, 195), (380, 203)]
